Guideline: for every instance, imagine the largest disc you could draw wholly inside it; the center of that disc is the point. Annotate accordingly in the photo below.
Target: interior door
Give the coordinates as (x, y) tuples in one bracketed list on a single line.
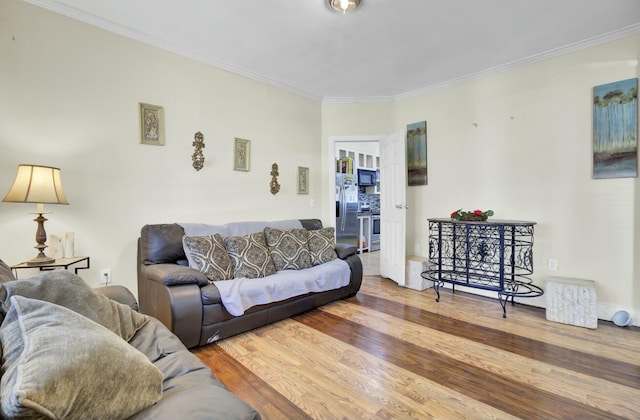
[(393, 192)]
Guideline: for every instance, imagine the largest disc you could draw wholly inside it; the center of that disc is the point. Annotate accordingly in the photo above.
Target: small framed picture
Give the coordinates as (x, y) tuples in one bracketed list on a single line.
[(241, 154), (303, 180), (151, 124)]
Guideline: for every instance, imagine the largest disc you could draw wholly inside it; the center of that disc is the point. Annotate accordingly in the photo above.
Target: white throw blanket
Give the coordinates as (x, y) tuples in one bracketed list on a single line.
[(240, 294)]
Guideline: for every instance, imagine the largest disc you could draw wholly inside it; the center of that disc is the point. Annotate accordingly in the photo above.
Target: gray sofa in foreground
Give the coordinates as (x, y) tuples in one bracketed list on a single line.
[(190, 304), (70, 352)]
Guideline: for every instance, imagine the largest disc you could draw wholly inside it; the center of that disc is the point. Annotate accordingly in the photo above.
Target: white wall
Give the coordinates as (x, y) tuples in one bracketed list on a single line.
[(343, 123), (69, 98), (519, 142)]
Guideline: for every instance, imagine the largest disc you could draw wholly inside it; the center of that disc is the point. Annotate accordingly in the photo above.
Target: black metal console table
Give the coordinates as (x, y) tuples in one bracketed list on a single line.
[(492, 255)]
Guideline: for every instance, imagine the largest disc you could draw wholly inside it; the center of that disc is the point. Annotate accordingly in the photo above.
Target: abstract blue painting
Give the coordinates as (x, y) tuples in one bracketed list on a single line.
[(615, 130)]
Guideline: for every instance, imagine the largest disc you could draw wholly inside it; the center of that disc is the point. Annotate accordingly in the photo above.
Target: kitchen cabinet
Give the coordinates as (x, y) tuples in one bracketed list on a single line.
[(361, 159), (368, 161)]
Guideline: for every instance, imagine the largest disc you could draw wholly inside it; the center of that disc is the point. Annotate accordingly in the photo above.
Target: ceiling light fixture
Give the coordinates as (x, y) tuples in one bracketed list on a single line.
[(344, 6)]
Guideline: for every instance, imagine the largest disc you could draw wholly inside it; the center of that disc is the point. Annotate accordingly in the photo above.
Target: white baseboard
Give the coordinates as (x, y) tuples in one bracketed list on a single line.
[(605, 309)]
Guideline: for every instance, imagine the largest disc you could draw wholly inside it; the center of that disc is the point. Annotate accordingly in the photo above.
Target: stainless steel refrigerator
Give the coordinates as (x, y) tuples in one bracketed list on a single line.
[(346, 209)]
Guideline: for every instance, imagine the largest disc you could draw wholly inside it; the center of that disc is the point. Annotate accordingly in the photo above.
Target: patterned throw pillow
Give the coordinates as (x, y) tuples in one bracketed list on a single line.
[(322, 245), (208, 255), (289, 249), (250, 255)]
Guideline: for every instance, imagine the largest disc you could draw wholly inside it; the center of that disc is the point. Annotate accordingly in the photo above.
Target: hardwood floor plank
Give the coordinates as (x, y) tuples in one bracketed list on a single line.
[(589, 364), (608, 341), (242, 382), (590, 391), (289, 372), (337, 366), (518, 399), (395, 353)]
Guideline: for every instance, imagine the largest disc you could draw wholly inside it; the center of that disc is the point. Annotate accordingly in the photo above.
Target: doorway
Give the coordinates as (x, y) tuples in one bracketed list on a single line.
[(364, 152), (393, 204)]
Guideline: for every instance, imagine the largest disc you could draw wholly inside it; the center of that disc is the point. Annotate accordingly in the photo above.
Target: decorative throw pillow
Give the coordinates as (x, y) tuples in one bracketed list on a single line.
[(288, 248), (250, 256), (66, 289), (322, 245), (59, 364), (208, 255)]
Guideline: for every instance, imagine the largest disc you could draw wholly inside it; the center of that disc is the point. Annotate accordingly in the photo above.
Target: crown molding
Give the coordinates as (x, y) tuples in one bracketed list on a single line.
[(357, 100), (107, 25), (556, 52), (93, 20)]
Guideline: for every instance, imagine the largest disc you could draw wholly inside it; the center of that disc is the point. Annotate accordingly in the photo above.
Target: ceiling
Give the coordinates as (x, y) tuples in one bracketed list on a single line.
[(387, 49)]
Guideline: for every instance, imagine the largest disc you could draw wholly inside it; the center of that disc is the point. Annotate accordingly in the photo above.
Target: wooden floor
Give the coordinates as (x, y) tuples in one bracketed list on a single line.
[(395, 353)]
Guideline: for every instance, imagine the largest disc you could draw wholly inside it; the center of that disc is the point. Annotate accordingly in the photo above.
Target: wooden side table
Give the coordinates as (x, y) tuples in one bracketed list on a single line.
[(59, 263)]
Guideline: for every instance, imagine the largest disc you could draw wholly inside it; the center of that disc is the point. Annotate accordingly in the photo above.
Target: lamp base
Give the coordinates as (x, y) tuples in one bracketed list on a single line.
[(40, 260), (41, 238)]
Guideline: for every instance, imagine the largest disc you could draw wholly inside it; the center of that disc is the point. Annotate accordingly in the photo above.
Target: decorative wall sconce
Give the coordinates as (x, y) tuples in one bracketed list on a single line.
[(198, 156), (275, 187)]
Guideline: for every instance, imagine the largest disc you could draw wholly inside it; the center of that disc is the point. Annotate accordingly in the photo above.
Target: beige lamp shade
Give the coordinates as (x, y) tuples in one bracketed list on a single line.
[(37, 184)]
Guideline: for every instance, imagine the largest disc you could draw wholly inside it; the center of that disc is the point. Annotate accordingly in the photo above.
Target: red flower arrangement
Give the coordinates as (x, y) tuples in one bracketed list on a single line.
[(474, 216)]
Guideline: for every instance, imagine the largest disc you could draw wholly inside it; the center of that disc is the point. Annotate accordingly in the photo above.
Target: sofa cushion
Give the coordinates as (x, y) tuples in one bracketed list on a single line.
[(249, 255), (5, 272), (208, 255), (59, 364), (161, 243), (66, 289), (288, 248), (190, 390), (322, 244), (311, 224)]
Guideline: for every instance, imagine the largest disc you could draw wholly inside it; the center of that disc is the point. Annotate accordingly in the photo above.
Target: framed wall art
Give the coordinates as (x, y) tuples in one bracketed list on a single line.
[(615, 130), (303, 180), (151, 124), (241, 154), (417, 153)]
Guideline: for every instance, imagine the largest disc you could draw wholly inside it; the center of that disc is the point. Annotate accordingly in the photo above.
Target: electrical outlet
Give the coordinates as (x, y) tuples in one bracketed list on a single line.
[(552, 264), (105, 276)]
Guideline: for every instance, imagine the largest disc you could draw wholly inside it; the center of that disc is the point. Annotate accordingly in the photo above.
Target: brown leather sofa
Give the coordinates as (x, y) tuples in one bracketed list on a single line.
[(189, 305)]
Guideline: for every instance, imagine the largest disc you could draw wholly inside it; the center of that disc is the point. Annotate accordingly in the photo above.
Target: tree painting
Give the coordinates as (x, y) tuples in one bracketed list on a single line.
[(615, 129), (417, 153)]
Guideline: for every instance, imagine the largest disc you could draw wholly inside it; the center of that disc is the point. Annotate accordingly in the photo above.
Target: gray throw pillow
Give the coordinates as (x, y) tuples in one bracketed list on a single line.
[(58, 364), (322, 245), (66, 289), (5, 272), (208, 255), (250, 256), (288, 248)]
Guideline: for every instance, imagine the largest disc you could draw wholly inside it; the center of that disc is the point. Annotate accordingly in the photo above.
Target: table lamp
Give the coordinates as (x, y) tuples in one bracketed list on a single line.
[(40, 185)]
